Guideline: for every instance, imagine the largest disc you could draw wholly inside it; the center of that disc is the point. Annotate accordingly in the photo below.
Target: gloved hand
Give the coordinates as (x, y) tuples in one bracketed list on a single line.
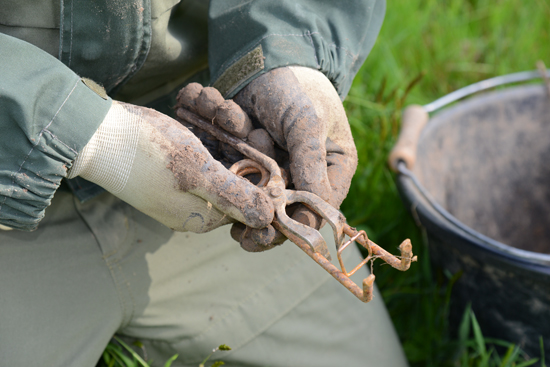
[(304, 116), (158, 166)]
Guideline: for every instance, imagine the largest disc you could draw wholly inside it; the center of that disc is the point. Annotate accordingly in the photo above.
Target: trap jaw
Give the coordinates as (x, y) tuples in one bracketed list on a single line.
[(312, 242), (340, 230)]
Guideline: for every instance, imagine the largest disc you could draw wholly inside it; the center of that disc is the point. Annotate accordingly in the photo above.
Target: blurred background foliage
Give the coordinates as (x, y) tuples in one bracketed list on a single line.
[(427, 49)]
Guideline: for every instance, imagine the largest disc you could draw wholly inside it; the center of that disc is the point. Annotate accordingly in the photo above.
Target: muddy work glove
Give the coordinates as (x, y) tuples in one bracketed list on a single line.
[(158, 166), (303, 115)]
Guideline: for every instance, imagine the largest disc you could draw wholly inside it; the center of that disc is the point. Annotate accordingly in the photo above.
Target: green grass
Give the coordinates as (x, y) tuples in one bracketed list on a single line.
[(120, 354), (425, 50)]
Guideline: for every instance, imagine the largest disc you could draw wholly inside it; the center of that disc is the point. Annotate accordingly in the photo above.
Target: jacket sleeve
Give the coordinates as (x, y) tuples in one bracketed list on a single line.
[(47, 116), (249, 38)]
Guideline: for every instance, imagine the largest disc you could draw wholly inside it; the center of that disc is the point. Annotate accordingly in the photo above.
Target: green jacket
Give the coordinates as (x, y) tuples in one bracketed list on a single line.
[(143, 51)]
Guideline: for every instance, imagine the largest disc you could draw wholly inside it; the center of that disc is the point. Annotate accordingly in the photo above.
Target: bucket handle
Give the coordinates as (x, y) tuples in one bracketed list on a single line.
[(415, 117), (413, 121)]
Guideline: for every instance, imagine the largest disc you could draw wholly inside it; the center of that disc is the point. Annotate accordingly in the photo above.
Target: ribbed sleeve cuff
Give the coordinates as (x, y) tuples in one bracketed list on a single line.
[(28, 190)]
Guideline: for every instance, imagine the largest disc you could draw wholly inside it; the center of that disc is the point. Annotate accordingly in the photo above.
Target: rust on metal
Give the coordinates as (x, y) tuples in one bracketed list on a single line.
[(364, 294), (246, 167), (352, 239), (307, 238), (402, 262)]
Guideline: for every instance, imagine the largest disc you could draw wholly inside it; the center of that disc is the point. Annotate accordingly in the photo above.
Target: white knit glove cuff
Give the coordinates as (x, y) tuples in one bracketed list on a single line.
[(108, 157)]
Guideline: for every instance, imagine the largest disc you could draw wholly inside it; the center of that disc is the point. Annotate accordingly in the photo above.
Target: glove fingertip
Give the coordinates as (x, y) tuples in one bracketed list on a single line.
[(233, 119), (208, 101), (255, 240), (188, 95), (237, 230), (258, 210)]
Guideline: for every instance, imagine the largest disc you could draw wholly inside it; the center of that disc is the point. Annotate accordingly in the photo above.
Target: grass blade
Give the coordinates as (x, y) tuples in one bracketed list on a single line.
[(136, 356), (169, 362), (510, 356), (528, 363), (478, 336), (120, 357), (542, 362)]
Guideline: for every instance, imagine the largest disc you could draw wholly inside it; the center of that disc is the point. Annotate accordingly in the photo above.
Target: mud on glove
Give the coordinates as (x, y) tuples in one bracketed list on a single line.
[(302, 112), (158, 166)]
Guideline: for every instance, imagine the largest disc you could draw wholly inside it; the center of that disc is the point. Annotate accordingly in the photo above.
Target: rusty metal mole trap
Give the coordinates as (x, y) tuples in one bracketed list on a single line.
[(307, 238)]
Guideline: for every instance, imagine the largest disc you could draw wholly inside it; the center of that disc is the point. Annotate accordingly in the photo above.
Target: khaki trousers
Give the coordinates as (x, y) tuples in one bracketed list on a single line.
[(95, 269)]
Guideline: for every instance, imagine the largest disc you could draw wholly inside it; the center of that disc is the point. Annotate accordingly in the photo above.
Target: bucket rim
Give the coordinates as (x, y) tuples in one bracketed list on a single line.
[(484, 85), (491, 244)]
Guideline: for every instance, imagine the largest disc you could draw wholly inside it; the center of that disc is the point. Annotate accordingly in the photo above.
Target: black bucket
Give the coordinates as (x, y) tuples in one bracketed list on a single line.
[(480, 187)]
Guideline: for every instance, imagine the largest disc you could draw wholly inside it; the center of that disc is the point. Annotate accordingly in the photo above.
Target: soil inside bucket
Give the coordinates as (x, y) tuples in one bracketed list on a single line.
[(487, 162)]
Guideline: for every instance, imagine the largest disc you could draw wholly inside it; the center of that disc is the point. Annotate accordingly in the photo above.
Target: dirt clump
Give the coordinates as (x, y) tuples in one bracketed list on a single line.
[(187, 175)]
